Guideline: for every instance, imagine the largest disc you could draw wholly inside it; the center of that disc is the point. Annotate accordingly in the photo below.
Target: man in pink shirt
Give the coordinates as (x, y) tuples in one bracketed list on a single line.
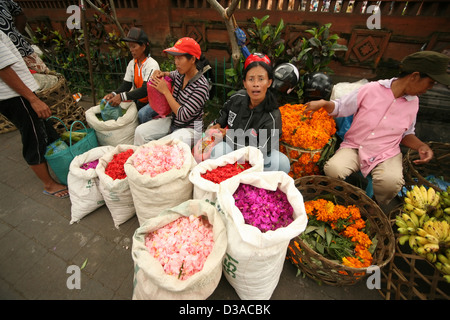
[(384, 116)]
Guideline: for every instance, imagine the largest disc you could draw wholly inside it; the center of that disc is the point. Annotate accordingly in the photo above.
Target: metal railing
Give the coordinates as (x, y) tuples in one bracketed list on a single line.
[(108, 75)]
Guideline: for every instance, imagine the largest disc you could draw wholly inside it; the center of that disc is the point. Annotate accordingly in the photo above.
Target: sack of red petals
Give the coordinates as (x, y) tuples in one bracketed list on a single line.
[(84, 190), (114, 184), (225, 166), (255, 258), (153, 281), (114, 132), (158, 174)]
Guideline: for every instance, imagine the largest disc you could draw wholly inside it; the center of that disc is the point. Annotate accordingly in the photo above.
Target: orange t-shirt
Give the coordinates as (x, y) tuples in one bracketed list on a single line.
[(138, 80)]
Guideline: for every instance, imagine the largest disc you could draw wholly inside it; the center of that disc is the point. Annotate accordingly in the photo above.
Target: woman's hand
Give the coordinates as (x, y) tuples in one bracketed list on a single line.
[(425, 154), (159, 84), (218, 127), (158, 74), (108, 96), (115, 100), (315, 105)]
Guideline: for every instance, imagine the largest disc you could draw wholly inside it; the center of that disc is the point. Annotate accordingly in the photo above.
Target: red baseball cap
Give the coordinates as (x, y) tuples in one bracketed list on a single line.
[(257, 57), (185, 45)]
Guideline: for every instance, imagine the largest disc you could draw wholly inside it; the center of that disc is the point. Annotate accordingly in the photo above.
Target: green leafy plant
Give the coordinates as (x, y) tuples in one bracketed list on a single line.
[(315, 53), (266, 38)]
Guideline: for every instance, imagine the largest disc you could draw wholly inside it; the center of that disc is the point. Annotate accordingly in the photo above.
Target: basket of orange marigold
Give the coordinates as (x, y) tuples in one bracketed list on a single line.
[(347, 233), (307, 140)]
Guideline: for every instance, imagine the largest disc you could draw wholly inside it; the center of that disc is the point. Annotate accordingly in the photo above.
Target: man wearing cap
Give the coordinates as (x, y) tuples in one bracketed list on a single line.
[(189, 94), (384, 117), (139, 70)]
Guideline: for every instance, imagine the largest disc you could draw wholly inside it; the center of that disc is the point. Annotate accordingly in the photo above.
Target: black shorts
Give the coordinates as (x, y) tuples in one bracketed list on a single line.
[(36, 133)]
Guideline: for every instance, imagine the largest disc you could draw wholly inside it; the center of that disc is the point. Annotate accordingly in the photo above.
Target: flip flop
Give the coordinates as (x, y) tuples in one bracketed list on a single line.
[(54, 194)]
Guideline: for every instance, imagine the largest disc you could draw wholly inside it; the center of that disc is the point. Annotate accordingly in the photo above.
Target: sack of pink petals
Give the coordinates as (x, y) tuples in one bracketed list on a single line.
[(182, 246), (157, 159)]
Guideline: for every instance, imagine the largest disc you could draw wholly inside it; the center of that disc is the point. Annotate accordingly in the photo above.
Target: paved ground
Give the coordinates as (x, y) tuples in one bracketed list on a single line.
[(38, 244)]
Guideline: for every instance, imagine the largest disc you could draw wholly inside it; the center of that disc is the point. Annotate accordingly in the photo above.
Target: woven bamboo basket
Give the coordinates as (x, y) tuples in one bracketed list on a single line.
[(439, 166), (60, 101), (306, 162), (316, 266), (409, 276)]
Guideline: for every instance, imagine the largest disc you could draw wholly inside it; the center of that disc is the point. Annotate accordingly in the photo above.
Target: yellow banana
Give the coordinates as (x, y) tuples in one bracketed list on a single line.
[(402, 240), (421, 232), (409, 221), (443, 258), (423, 219), (408, 207), (411, 230), (408, 194), (424, 192), (431, 193), (417, 195), (421, 240), (428, 227), (414, 218), (412, 242), (420, 251), (413, 198), (403, 231), (431, 239), (408, 201), (419, 212), (431, 257), (431, 247), (445, 229), (446, 269), (447, 278), (400, 222)]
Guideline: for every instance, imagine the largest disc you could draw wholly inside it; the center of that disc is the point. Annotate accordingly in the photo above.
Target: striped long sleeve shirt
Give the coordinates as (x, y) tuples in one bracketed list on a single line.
[(192, 99)]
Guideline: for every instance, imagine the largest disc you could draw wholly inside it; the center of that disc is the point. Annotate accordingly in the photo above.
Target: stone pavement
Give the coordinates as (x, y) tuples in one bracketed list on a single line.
[(38, 245)]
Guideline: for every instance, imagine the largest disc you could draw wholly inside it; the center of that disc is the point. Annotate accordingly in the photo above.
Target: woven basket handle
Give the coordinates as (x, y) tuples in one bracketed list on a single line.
[(71, 129), (53, 117)]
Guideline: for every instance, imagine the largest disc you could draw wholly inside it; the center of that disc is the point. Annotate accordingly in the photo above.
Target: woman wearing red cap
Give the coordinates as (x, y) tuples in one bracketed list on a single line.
[(187, 99), (251, 116)]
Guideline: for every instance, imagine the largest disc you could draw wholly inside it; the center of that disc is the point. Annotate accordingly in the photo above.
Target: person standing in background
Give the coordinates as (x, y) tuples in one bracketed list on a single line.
[(20, 105), (13, 22)]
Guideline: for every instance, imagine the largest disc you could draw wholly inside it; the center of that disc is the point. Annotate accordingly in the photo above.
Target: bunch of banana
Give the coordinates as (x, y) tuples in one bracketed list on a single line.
[(443, 264), (444, 203), (421, 200), (407, 224), (432, 239)]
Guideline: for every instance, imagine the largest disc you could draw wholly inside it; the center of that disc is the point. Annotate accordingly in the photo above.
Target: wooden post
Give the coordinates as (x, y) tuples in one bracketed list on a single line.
[(87, 48)]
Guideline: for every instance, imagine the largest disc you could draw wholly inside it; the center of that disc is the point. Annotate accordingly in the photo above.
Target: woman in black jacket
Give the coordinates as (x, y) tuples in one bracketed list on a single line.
[(251, 116)]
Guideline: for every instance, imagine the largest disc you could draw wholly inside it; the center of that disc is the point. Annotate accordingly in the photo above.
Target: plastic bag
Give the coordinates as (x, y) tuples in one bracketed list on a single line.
[(156, 99), (56, 147), (108, 112), (202, 150)]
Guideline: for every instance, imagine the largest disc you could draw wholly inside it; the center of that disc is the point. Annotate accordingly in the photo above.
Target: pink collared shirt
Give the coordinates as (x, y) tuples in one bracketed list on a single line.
[(379, 124)]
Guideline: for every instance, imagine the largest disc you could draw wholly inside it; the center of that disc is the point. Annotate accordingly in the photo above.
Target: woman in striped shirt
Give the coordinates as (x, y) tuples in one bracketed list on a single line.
[(187, 99)]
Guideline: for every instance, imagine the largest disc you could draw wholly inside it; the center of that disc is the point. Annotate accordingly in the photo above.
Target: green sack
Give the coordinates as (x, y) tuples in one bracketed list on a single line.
[(60, 161)]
